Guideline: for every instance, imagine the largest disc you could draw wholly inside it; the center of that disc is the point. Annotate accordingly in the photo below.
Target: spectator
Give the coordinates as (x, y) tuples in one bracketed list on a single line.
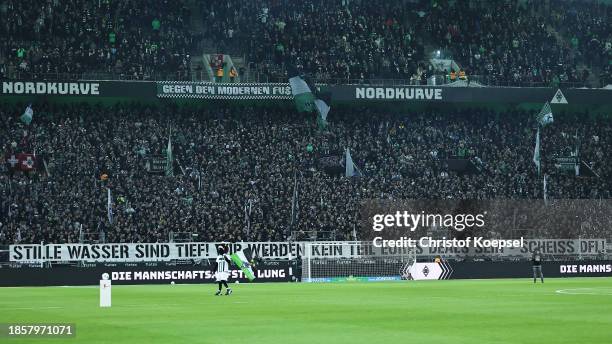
[(219, 74), (233, 74), (155, 24), (112, 37), (230, 157)]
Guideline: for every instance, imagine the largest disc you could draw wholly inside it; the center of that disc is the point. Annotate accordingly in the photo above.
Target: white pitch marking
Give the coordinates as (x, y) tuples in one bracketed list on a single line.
[(150, 305), (115, 306), (586, 291), (40, 307)]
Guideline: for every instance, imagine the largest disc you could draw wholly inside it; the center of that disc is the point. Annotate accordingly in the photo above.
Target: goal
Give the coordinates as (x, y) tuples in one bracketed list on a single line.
[(353, 261)]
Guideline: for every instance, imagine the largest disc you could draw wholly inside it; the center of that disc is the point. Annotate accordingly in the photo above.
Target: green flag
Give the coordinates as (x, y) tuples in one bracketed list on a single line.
[(302, 95), (307, 101), (241, 259)]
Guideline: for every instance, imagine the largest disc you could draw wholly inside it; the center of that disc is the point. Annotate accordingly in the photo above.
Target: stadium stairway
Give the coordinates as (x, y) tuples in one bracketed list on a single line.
[(205, 48), (197, 22), (198, 72), (563, 38), (240, 65)]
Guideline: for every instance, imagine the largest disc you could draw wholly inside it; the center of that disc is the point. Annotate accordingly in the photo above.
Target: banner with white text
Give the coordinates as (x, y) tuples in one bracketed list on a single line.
[(208, 90), (149, 252)]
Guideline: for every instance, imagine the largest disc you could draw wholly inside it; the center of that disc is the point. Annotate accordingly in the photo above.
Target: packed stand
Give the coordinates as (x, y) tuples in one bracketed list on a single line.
[(589, 29), (505, 42), (331, 40), (74, 39), (502, 42), (237, 171)]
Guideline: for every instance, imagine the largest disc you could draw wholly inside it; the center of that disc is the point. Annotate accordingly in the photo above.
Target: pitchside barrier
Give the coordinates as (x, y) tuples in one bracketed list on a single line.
[(158, 263), (17, 275), (519, 269), (334, 270)]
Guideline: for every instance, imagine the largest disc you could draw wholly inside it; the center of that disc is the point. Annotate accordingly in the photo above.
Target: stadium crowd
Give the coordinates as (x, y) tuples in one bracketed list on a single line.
[(509, 42), (327, 39), (128, 39), (258, 173), (495, 42)]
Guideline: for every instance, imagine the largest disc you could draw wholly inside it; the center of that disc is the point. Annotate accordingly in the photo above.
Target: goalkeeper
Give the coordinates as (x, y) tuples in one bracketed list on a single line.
[(221, 270), (536, 261)]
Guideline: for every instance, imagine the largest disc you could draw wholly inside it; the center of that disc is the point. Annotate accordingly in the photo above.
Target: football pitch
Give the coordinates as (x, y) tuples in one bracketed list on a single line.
[(577, 310)]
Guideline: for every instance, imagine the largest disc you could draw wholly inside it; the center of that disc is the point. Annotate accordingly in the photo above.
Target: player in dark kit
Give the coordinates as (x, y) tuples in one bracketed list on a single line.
[(221, 270), (536, 260)]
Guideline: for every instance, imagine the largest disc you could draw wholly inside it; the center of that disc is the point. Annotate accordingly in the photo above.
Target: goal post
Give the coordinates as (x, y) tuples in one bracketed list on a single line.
[(354, 261)]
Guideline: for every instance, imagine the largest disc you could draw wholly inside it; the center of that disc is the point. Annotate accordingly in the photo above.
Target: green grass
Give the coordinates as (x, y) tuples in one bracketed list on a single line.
[(476, 311)]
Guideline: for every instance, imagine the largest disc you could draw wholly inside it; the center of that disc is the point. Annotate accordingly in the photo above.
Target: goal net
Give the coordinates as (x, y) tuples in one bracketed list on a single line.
[(353, 261)]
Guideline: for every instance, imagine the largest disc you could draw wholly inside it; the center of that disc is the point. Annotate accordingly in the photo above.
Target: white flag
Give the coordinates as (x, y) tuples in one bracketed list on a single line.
[(545, 191), (28, 114), (350, 169), (536, 151), (545, 117), (109, 206)]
